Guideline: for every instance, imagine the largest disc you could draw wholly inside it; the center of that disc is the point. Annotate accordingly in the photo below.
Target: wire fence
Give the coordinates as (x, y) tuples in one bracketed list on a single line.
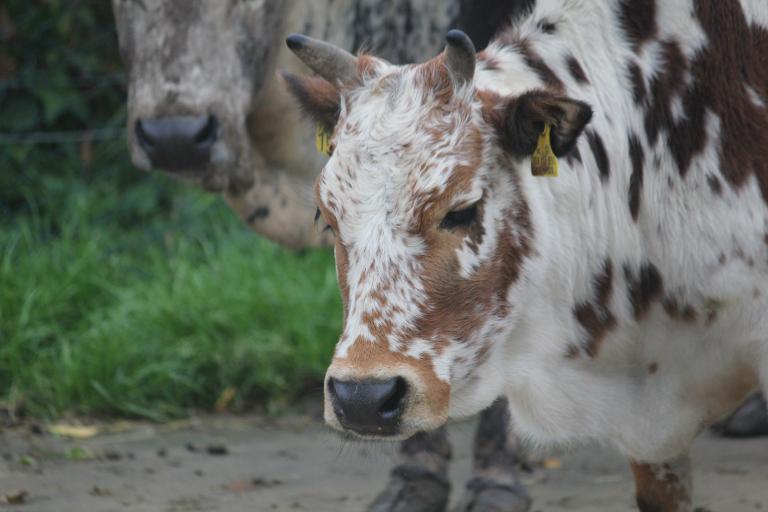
[(61, 137)]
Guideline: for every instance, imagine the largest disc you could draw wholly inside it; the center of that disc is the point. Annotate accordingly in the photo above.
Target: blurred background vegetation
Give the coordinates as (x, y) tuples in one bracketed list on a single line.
[(123, 293)]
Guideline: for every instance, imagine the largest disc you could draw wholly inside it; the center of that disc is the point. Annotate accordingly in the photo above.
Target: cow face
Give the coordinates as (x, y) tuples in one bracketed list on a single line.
[(195, 69), (433, 231)]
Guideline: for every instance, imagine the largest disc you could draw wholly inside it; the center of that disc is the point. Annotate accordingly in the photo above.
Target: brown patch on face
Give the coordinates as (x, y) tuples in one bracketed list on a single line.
[(638, 20), (601, 156), (643, 288), (435, 80), (457, 305), (577, 72), (653, 368), (659, 488), (639, 92), (637, 157), (684, 313), (594, 316)]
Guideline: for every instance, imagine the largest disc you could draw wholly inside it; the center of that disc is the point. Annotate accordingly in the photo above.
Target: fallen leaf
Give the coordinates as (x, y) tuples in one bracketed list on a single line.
[(14, 498), (225, 399), (74, 431), (552, 463), (79, 453)]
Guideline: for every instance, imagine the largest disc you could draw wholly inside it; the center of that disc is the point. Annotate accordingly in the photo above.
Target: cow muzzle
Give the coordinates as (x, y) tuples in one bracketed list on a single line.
[(178, 144), (368, 407), (380, 399)]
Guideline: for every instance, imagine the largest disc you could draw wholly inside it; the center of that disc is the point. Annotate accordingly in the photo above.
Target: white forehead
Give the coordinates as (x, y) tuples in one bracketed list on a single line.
[(398, 141)]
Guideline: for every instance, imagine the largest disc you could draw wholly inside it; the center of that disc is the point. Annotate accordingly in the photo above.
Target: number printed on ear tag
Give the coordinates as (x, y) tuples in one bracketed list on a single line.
[(543, 160)]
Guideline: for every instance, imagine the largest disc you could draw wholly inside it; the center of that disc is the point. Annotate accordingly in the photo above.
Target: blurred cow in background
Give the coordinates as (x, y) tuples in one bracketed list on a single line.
[(204, 104)]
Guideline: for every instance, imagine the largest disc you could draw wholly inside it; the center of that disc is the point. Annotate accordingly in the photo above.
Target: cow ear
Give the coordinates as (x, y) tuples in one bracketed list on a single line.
[(318, 98), (526, 116)]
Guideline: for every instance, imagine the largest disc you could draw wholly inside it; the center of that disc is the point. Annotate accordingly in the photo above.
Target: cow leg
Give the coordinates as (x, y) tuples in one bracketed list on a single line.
[(494, 486), (663, 487), (419, 482)]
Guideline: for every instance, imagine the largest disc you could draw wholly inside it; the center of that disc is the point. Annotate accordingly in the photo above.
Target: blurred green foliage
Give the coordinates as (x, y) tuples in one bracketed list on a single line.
[(123, 293), (61, 75)]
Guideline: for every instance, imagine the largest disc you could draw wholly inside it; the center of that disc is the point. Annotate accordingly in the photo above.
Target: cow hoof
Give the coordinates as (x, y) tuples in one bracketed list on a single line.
[(483, 495), (749, 420), (412, 489)]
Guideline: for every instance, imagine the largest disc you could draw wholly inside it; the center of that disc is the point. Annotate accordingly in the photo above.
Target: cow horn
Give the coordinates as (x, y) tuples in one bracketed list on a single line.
[(329, 61), (460, 56)]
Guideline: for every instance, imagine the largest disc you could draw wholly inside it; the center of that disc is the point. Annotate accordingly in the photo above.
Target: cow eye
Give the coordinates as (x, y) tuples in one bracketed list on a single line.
[(459, 218)]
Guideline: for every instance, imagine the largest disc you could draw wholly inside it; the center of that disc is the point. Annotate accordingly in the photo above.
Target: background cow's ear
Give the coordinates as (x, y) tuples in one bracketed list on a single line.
[(318, 98), (526, 116)]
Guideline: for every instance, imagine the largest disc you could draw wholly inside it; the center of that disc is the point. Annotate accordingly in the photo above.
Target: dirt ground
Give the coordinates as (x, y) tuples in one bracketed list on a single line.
[(294, 463)]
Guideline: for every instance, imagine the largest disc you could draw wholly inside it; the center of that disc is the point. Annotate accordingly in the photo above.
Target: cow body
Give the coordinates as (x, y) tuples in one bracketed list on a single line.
[(650, 276), (624, 300)]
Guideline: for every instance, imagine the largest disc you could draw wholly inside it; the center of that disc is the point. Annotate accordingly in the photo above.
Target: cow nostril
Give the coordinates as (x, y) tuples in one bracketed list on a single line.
[(208, 133), (393, 403), (337, 409)]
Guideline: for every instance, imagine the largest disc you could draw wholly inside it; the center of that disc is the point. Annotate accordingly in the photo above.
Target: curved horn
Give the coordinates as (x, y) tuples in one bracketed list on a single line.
[(329, 61), (460, 56)]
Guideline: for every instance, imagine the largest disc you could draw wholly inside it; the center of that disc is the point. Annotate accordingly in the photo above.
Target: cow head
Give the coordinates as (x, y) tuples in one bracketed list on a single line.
[(434, 235), (195, 68)]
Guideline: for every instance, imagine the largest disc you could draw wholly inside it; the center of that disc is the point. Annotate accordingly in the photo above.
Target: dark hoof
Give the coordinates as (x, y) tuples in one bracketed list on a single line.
[(488, 496), (749, 420), (412, 489)]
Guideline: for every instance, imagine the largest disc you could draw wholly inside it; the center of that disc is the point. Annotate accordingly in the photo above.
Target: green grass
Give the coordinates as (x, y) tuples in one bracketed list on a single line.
[(151, 318)]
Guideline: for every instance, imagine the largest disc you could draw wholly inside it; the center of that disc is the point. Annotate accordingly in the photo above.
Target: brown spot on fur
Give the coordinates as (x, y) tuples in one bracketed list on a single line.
[(572, 352), (535, 62), (639, 92), (491, 63), (714, 184), (577, 72), (686, 313), (638, 20), (653, 368), (643, 288), (601, 156), (735, 55), (637, 157), (732, 58), (594, 316)]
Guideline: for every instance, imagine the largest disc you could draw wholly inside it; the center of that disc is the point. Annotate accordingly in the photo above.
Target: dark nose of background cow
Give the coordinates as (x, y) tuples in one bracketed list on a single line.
[(178, 143), (368, 406)]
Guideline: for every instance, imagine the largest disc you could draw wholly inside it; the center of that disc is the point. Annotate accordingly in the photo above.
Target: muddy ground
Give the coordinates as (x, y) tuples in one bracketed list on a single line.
[(294, 463)]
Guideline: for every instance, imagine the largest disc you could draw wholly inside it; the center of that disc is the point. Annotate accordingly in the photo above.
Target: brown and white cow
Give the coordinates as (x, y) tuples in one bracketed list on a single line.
[(625, 300), (204, 104)]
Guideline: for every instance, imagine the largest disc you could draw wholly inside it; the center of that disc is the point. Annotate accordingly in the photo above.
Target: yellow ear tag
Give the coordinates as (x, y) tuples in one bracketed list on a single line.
[(543, 160), (322, 140)]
